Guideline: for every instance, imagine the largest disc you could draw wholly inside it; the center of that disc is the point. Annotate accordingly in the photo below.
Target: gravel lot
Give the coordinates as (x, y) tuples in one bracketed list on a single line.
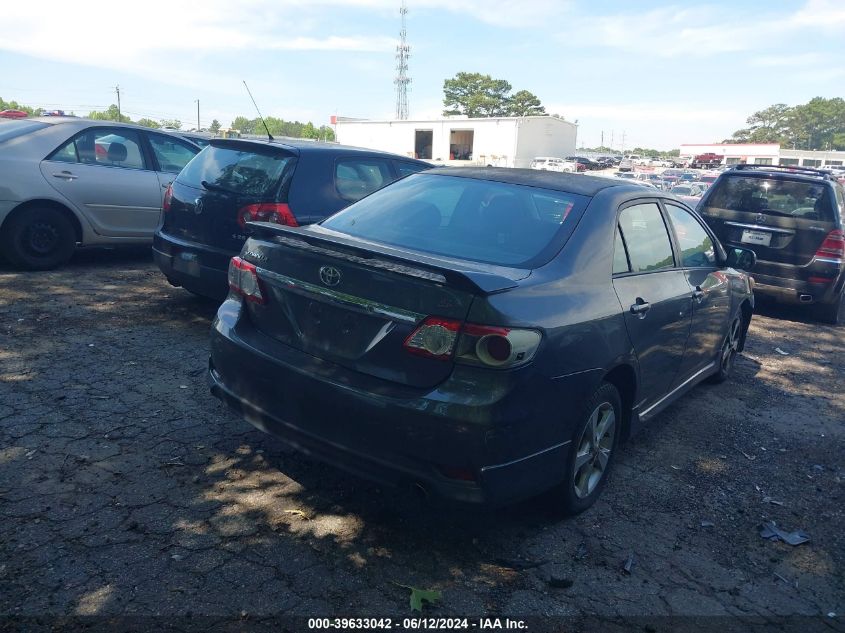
[(126, 489)]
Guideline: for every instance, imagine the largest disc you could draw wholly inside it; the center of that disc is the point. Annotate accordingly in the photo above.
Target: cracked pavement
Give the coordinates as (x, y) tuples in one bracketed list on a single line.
[(126, 489)]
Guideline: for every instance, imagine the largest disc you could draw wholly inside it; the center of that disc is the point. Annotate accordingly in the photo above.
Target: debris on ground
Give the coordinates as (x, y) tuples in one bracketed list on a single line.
[(781, 352), (772, 532), (629, 564), (707, 524), (419, 596), (774, 502)]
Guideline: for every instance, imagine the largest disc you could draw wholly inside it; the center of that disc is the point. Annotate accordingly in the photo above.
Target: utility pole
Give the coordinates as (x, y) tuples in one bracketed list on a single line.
[(403, 52), (623, 142), (602, 139), (198, 114), (117, 90)]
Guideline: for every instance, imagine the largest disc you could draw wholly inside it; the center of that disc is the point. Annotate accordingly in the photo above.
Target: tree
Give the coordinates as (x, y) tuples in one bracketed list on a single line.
[(214, 128), (176, 124), (818, 124), (244, 125), (148, 123), (110, 114), (476, 95), (525, 103)]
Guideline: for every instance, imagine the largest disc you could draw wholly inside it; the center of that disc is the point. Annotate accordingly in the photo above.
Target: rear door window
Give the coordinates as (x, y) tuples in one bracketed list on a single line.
[(645, 234), (236, 169), (465, 218), (172, 154), (111, 147), (773, 197), (697, 250), (358, 177), (404, 168)]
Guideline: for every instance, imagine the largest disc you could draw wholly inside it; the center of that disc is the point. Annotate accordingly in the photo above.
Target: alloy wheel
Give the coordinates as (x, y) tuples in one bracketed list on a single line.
[(594, 448), (731, 347)]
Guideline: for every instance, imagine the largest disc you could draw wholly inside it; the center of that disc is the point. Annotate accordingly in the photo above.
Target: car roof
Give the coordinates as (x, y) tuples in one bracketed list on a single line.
[(302, 146), (781, 172), (74, 124), (557, 181)]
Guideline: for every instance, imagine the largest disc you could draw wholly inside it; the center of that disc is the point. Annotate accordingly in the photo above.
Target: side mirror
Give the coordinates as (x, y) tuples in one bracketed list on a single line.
[(741, 258)]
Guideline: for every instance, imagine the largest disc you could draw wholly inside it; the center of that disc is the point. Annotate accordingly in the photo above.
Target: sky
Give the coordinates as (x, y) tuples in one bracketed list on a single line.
[(654, 74)]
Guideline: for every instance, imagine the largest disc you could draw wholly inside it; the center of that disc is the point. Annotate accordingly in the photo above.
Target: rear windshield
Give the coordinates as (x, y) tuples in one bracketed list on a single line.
[(14, 129), (465, 218), (239, 171), (773, 196)]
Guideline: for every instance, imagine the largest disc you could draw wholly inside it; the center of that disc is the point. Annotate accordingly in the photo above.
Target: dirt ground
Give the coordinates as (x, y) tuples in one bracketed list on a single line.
[(127, 490)]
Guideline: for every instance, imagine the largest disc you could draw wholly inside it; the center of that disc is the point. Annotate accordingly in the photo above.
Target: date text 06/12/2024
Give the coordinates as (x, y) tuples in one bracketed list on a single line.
[(418, 624)]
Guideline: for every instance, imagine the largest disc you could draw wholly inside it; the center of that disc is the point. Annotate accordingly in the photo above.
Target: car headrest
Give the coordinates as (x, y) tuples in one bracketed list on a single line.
[(117, 152)]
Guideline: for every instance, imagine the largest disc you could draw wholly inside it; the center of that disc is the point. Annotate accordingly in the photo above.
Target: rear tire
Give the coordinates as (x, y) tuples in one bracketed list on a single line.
[(832, 313), (38, 238), (592, 451)]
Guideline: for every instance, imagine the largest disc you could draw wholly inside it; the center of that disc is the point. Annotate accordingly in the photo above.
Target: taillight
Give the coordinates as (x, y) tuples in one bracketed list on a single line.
[(168, 198), (276, 212), (833, 246), (243, 280), (434, 338), (472, 344), (491, 346)]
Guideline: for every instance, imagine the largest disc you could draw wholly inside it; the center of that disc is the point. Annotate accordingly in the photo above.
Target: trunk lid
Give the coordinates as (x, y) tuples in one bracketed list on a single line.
[(355, 303)]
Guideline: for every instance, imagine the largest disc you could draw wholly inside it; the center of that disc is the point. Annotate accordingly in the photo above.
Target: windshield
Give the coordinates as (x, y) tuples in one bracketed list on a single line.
[(773, 196), (13, 129), (480, 220), (235, 170)]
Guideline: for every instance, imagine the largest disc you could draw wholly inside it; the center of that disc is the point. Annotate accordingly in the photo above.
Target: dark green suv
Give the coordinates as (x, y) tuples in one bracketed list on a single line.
[(792, 218)]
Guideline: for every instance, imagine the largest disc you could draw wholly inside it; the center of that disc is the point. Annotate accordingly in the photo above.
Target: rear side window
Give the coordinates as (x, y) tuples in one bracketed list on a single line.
[(645, 235), (773, 197), (358, 177), (14, 129), (237, 170), (172, 155), (110, 147), (465, 218)]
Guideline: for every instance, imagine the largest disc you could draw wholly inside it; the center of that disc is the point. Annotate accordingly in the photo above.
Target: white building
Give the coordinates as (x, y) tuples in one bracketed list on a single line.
[(501, 141), (765, 154)]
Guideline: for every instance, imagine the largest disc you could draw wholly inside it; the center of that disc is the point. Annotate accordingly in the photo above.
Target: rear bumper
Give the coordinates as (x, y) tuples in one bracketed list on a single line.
[(196, 267), (788, 290), (496, 434)]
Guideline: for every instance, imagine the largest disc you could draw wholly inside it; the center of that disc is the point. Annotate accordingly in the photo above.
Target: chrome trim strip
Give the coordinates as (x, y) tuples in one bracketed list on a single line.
[(522, 459), (760, 227), (829, 260), (350, 301), (120, 207), (708, 367)]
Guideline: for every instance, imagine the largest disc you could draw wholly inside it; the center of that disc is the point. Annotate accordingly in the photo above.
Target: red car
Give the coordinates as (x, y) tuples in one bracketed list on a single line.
[(13, 114)]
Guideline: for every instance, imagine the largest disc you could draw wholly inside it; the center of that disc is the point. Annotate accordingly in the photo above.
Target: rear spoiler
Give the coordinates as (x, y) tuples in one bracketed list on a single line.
[(385, 257)]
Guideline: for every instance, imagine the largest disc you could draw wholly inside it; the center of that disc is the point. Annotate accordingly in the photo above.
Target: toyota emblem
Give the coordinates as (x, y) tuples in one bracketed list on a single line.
[(198, 206), (330, 275), (760, 218)]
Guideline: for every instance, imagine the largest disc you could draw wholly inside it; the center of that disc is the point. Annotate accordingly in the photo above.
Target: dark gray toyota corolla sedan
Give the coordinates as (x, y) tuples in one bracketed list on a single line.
[(487, 334)]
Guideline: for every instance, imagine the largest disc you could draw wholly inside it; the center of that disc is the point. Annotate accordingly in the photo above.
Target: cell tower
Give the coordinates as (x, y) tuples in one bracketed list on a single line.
[(403, 52)]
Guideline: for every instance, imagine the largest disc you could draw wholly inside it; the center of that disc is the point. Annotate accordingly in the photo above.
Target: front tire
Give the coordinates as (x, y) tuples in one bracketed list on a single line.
[(593, 450), (38, 238), (729, 351)]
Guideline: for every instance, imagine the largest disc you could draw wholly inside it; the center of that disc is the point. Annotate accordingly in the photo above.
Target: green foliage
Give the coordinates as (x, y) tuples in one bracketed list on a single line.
[(476, 95), (148, 123), (14, 105), (524, 103), (418, 596), (817, 124), (176, 124), (214, 128), (280, 127), (110, 114)]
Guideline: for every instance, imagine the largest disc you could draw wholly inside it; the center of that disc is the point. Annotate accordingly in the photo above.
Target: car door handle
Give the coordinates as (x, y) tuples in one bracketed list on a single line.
[(698, 294), (640, 308), (65, 175)]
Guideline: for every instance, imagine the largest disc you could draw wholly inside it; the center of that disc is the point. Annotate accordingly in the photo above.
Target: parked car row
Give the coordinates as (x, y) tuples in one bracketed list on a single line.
[(486, 334)]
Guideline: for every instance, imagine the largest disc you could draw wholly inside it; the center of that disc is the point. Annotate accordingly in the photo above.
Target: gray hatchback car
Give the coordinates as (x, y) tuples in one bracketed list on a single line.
[(66, 181)]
